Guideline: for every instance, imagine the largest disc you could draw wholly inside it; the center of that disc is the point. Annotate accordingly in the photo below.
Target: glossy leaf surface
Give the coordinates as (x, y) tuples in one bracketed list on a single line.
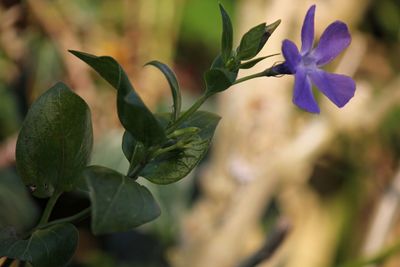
[(132, 112), (118, 203), (227, 35), (175, 165), (55, 141), (252, 42), (173, 84), (218, 80), (50, 247)]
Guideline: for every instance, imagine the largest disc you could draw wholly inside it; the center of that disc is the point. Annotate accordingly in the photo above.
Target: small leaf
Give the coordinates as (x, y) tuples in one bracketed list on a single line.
[(173, 84), (134, 151), (132, 112), (118, 202), (227, 35), (175, 165), (251, 63), (49, 247), (16, 202), (218, 80), (252, 42), (55, 141)]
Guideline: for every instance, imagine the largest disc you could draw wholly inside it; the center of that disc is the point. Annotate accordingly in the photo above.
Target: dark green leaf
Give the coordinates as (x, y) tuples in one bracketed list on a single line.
[(55, 141), (134, 151), (173, 84), (50, 247), (218, 80), (15, 203), (132, 112), (251, 63), (227, 35), (175, 165), (118, 202), (252, 42)]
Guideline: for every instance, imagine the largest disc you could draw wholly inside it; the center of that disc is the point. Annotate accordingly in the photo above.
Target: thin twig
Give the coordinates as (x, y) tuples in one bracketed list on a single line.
[(273, 242)]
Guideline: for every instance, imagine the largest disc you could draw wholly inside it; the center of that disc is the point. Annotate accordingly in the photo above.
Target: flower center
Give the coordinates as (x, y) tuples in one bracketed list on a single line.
[(308, 61)]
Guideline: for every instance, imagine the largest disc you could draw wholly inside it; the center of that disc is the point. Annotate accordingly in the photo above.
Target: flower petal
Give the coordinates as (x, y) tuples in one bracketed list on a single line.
[(307, 31), (302, 95), (338, 88), (291, 55), (334, 39)]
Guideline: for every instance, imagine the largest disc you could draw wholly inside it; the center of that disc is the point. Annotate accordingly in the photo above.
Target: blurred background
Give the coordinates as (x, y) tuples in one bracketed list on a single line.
[(327, 185)]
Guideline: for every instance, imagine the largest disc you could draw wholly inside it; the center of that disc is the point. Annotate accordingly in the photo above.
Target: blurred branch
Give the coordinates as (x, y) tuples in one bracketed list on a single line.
[(384, 219), (7, 152), (273, 242), (63, 36)]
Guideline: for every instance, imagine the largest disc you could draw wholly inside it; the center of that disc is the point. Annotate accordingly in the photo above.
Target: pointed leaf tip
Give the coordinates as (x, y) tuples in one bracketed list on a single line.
[(227, 35), (173, 84)]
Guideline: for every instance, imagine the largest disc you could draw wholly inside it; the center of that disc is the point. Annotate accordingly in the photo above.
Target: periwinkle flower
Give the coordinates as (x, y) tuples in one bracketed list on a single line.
[(306, 64)]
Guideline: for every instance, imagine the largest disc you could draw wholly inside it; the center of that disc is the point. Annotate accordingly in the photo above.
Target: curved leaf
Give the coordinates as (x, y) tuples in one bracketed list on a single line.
[(55, 141), (132, 112), (175, 165), (227, 35), (173, 84), (118, 202), (251, 63), (50, 247)]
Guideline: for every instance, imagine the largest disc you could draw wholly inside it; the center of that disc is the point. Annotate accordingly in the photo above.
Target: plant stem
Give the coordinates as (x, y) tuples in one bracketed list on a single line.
[(74, 218), (188, 112), (49, 208), (265, 73)]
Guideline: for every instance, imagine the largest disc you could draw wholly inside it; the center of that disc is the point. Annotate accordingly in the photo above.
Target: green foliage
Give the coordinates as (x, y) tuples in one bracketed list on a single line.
[(174, 165), (227, 35), (15, 202), (174, 85), (126, 206), (252, 42), (55, 142), (49, 247), (132, 112)]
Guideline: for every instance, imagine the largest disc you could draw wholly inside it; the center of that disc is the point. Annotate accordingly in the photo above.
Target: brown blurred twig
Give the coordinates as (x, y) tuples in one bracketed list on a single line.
[(273, 242)]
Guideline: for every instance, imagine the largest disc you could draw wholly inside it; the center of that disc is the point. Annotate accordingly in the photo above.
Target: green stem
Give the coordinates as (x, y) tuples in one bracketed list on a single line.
[(188, 112), (49, 208), (377, 258), (265, 73), (74, 218)]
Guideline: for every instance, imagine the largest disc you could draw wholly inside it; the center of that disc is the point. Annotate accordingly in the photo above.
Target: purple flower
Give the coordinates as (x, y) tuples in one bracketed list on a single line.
[(305, 65)]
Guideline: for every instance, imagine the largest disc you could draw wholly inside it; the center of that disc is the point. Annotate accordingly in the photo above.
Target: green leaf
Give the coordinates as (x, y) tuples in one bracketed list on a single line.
[(118, 202), (218, 80), (252, 42), (227, 35), (55, 141), (132, 112), (16, 202), (173, 84), (251, 63), (175, 165), (49, 247), (134, 151)]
